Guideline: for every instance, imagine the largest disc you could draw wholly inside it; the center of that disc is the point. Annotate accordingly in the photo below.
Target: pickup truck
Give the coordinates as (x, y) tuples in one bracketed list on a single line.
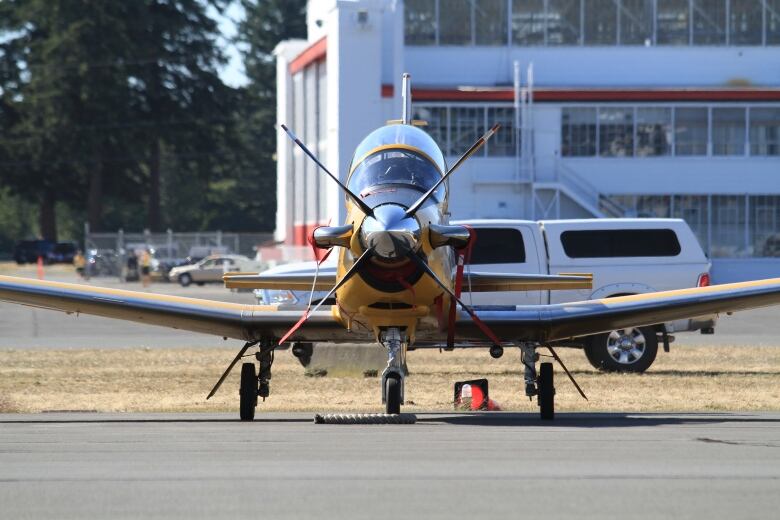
[(625, 256)]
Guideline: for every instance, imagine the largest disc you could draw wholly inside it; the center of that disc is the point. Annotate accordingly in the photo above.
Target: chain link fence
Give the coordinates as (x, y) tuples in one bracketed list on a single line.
[(116, 254)]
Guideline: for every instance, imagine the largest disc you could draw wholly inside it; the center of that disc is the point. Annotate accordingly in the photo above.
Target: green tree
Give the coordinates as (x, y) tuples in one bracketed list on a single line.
[(267, 22), (72, 96)]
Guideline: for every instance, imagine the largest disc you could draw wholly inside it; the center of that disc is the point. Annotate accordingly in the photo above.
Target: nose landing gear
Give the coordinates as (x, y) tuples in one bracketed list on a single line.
[(393, 376)]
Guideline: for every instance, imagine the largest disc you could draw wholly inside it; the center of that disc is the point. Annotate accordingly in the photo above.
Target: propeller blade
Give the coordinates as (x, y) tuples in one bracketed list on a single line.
[(362, 205), (484, 328), (349, 274), (474, 147)]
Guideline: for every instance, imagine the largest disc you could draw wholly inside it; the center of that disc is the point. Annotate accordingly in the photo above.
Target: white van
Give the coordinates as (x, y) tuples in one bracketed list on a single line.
[(625, 256)]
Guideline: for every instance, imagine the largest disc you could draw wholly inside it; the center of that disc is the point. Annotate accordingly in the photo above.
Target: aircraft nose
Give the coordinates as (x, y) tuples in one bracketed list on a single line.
[(390, 232)]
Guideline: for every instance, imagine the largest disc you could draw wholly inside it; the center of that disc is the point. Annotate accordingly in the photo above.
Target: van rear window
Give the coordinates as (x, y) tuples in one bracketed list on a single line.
[(610, 243), (498, 246)]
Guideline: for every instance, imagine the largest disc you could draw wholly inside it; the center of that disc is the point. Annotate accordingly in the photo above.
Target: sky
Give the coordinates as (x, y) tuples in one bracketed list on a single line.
[(233, 73)]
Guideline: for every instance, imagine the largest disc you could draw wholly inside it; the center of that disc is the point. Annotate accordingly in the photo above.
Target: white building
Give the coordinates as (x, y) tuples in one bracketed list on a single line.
[(663, 108)]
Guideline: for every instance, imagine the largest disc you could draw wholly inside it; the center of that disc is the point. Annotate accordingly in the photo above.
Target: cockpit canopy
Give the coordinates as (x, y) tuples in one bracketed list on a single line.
[(397, 156)]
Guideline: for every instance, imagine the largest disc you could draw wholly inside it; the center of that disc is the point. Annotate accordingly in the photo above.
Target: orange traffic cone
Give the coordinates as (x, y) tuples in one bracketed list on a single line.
[(40, 268)]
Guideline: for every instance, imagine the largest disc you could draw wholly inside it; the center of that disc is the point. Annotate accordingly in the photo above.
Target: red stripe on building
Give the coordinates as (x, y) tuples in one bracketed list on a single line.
[(592, 95), (312, 54)]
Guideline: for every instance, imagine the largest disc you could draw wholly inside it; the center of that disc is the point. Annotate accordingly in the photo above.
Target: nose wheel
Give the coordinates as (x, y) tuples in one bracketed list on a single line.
[(392, 395)]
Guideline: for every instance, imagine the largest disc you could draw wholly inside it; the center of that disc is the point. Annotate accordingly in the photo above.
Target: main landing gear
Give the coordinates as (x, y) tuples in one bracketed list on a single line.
[(256, 384), (541, 384), (394, 341)]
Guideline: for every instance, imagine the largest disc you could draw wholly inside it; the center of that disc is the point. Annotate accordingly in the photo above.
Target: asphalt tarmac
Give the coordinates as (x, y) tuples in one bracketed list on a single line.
[(29, 328), (503, 465)]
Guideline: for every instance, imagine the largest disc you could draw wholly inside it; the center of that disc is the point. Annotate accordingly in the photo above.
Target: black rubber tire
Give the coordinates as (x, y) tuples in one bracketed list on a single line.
[(185, 280), (200, 284), (393, 395), (600, 358), (248, 392), (546, 392)]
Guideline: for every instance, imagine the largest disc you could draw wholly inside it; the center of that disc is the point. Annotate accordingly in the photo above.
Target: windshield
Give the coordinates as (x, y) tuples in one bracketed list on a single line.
[(395, 167)]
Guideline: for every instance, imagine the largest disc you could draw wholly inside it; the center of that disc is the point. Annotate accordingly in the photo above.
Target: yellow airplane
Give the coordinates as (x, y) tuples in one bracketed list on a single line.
[(398, 282)]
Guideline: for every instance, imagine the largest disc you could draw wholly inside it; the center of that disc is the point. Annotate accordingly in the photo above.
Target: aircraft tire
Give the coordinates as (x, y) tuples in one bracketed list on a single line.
[(248, 392), (598, 353), (393, 395), (546, 392)]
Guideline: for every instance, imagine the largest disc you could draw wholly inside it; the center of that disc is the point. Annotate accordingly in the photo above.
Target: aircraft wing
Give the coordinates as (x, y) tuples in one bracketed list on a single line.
[(231, 320), (567, 320)]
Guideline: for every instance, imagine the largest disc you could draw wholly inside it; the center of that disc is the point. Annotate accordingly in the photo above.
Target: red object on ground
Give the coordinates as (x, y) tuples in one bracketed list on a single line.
[(40, 268)]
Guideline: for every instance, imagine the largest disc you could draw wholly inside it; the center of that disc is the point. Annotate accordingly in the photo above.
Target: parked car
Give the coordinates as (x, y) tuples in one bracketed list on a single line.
[(210, 269), (28, 251), (62, 253), (625, 256)]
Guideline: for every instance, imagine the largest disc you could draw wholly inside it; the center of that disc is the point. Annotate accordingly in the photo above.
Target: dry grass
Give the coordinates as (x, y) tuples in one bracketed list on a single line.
[(689, 379)]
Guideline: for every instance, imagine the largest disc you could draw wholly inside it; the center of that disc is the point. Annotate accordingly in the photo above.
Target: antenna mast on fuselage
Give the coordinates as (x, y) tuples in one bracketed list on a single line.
[(406, 99)]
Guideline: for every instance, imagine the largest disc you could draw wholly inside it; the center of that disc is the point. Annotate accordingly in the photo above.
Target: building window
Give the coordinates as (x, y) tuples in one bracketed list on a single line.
[(528, 21), (745, 22), (616, 132), (694, 209), (420, 20), (709, 22), (772, 22), (672, 23), (690, 131), (601, 22), (455, 22), (578, 130), (764, 219), (563, 22), (490, 21), (728, 226), (593, 22), (436, 117), (503, 142), (764, 131), (653, 131), (467, 125), (636, 22), (728, 131)]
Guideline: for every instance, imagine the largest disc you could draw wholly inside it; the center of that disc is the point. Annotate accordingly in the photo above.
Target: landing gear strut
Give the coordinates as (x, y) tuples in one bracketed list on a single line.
[(540, 385), (393, 376)]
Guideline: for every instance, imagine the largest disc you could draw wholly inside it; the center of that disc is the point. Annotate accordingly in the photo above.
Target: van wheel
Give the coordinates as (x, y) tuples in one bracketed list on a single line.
[(624, 350)]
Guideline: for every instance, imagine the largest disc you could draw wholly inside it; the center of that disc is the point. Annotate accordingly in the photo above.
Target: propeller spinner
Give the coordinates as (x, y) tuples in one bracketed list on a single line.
[(390, 233)]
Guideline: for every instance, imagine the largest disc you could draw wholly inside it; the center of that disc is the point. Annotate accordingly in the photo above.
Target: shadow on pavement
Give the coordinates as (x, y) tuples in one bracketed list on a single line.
[(595, 420)]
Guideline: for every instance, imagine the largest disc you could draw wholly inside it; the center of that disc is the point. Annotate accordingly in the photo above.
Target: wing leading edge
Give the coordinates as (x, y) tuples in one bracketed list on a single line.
[(232, 320)]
